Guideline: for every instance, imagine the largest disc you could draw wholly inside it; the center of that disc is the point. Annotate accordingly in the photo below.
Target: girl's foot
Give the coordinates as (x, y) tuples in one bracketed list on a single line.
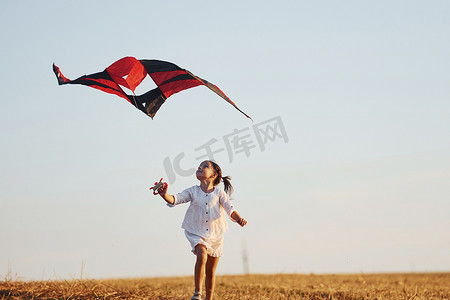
[(197, 296)]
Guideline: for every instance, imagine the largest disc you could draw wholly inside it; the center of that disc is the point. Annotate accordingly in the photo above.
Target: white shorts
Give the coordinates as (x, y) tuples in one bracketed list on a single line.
[(214, 247)]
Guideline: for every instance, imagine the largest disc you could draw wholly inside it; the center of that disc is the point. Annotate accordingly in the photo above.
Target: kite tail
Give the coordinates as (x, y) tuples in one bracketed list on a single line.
[(216, 90)]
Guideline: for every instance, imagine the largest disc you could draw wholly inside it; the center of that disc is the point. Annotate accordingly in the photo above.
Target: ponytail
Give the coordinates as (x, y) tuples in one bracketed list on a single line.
[(228, 188), (227, 183)]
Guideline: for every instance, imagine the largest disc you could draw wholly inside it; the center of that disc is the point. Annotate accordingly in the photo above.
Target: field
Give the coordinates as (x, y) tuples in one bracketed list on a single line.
[(278, 286)]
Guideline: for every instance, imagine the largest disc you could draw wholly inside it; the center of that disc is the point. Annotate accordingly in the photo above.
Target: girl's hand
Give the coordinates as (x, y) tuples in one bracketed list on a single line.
[(163, 190), (242, 222), (238, 219)]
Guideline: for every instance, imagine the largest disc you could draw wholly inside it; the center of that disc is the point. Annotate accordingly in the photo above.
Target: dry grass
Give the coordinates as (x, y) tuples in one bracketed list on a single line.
[(281, 286)]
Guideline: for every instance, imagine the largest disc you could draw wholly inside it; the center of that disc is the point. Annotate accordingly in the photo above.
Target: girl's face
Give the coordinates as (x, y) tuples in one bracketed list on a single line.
[(205, 171)]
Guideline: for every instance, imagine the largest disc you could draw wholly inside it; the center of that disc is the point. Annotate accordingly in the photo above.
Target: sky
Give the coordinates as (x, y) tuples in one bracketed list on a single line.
[(344, 168)]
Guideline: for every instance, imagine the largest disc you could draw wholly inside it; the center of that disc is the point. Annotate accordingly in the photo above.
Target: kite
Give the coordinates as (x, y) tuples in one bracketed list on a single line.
[(129, 73)]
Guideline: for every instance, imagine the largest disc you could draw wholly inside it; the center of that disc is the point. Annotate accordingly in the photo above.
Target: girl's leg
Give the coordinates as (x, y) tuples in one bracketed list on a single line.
[(199, 272), (211, 265)]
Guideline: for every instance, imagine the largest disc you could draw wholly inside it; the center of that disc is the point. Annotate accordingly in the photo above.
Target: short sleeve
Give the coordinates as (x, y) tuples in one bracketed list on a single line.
[(183, 197)]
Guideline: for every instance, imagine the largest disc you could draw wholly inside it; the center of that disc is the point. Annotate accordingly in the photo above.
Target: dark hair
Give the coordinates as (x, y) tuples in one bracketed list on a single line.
[(226, 179)]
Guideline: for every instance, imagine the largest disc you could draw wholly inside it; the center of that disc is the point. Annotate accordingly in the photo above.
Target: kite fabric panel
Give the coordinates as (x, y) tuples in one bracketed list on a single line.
[(129, 72)]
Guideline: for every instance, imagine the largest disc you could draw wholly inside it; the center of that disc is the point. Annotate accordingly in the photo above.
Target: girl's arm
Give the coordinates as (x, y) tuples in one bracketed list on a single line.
[(237, 217), (163, 193)]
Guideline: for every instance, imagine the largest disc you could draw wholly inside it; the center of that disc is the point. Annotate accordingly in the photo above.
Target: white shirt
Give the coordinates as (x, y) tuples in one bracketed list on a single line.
[(205, 215)]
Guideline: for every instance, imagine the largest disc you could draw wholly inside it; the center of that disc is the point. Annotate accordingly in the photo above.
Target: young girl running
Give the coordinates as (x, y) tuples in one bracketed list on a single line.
[(205, 221)]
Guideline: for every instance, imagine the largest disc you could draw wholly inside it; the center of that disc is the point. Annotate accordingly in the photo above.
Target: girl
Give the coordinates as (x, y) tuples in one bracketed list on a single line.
[(205, 222)]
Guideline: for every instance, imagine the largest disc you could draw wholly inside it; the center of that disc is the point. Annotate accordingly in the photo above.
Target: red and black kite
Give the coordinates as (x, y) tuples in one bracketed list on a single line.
[(129, 72)]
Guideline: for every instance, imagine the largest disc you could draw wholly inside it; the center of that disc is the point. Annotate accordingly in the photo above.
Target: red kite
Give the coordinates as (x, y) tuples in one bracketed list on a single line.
[(129, 72)]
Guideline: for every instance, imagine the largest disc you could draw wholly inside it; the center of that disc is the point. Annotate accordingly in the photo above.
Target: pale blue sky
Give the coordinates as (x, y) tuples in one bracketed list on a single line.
[(362, 89)]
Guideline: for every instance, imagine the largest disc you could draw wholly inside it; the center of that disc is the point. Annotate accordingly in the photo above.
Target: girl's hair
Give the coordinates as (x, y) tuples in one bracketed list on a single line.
[(226, 179)]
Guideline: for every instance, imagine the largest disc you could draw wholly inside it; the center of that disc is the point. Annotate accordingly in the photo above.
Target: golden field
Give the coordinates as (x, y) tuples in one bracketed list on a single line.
[(277, 286)]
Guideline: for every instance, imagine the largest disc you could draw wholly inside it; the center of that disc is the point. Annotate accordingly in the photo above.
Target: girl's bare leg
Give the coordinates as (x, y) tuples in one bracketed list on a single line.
[(211, 265), (199, 271)]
